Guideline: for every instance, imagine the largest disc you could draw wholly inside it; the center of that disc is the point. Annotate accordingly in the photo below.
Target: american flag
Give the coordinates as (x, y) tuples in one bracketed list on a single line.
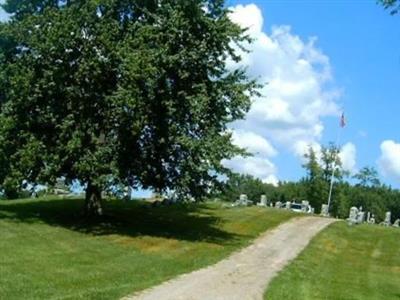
[(342, 121)]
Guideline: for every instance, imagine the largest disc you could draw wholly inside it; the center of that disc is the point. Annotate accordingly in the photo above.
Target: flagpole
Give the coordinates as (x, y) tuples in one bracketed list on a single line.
[(342, 124)]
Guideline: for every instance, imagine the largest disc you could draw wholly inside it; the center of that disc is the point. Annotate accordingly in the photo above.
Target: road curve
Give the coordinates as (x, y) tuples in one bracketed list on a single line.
[(245, 274)]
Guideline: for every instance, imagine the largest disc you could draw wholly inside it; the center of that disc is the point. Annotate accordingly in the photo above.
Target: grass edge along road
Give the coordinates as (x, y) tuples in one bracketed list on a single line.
[(343, 262), (49, 252)]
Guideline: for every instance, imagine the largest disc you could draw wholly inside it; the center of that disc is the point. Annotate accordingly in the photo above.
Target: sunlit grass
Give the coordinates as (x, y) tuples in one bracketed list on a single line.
[(343, 262), (47, 251)]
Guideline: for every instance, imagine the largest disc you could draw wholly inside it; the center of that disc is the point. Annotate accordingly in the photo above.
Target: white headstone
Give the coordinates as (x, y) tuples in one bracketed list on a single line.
[(263, 201), (324, 210), (388, 217), (360, 217), (396, 223), (288, 204), (305, 206), (353, 214), (243, 201), (372, 220), (243, 198)]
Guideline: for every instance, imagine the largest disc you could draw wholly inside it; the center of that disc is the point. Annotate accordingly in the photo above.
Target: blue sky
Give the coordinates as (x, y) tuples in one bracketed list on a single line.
[(320, 57), (362, 42)]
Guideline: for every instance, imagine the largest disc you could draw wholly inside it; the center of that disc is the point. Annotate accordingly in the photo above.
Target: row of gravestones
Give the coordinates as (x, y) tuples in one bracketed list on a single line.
[(244, 201), (358, 216)]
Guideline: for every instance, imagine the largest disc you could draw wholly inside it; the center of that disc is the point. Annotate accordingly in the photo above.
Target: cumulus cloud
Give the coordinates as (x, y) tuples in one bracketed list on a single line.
[(302, 147), (294, 97), (253, 143), (389, 160), (271, 179), (257, 166), (347, 156)]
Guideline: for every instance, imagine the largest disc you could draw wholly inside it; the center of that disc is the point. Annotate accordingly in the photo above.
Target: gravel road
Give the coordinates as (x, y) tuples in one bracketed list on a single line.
[(245, 274)]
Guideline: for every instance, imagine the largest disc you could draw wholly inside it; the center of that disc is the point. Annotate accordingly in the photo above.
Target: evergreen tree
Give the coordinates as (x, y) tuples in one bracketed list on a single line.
[(314, 181), (367, 177)]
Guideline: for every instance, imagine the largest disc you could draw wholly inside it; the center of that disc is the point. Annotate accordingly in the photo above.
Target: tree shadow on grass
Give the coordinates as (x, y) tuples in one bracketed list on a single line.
[(191, 222)]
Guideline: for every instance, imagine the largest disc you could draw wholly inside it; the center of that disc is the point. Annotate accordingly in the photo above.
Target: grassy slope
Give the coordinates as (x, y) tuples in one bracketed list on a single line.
[(343, 262), (48, 252)]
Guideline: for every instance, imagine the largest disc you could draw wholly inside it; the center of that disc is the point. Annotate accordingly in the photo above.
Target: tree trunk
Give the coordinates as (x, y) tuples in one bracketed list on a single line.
[(93, 203)]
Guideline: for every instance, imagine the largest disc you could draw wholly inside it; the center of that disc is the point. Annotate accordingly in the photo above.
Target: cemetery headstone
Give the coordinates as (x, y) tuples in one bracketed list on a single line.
[(371, 220), (324, 210), (388, 217), (263, 201), (305, 205), (288, 204), (360, 217), (243, 201), (353, 214)]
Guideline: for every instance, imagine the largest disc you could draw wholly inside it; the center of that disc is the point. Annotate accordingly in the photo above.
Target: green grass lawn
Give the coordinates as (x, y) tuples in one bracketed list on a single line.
[(47, 251), (343, 262)]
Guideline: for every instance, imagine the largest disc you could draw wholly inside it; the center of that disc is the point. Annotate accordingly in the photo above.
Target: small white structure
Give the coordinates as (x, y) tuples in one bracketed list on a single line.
[(288, 205), (360, 217), (243, 201), (278, 204), (387, 221), (324, 210), (396, 223), (263, 201), (371, 219), (306, 207), (353, 216)]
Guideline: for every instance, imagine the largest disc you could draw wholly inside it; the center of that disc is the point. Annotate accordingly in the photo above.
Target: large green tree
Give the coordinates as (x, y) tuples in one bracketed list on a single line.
[(131, 92)]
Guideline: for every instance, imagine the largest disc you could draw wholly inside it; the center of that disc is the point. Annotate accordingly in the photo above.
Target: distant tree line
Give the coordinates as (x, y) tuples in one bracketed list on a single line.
[(362, 189)]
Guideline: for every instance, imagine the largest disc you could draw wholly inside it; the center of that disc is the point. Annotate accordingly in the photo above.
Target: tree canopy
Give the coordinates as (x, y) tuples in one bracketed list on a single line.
[(112, 92), (392, 5)]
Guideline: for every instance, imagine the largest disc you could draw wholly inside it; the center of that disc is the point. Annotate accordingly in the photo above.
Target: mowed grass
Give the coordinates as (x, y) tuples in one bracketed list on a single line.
[(344, 262), (47, 251)]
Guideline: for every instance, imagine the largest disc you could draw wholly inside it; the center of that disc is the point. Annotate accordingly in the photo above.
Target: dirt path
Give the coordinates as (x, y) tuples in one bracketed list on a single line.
[(245, 274)]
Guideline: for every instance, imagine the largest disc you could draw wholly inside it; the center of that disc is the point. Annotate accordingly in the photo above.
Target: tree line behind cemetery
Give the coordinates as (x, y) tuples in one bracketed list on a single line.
[(361, 189)]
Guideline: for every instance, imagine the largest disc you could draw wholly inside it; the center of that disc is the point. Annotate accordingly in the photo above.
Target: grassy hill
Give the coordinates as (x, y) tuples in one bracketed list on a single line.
[(49, 252), (344, 262)]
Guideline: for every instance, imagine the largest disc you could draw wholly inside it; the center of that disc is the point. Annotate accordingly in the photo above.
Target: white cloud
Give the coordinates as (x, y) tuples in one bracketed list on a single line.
[(347, 156), (302, 147), (248, 16), (256, 166), (271, 179), (253, 143), (293, 100), (389, 160)]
